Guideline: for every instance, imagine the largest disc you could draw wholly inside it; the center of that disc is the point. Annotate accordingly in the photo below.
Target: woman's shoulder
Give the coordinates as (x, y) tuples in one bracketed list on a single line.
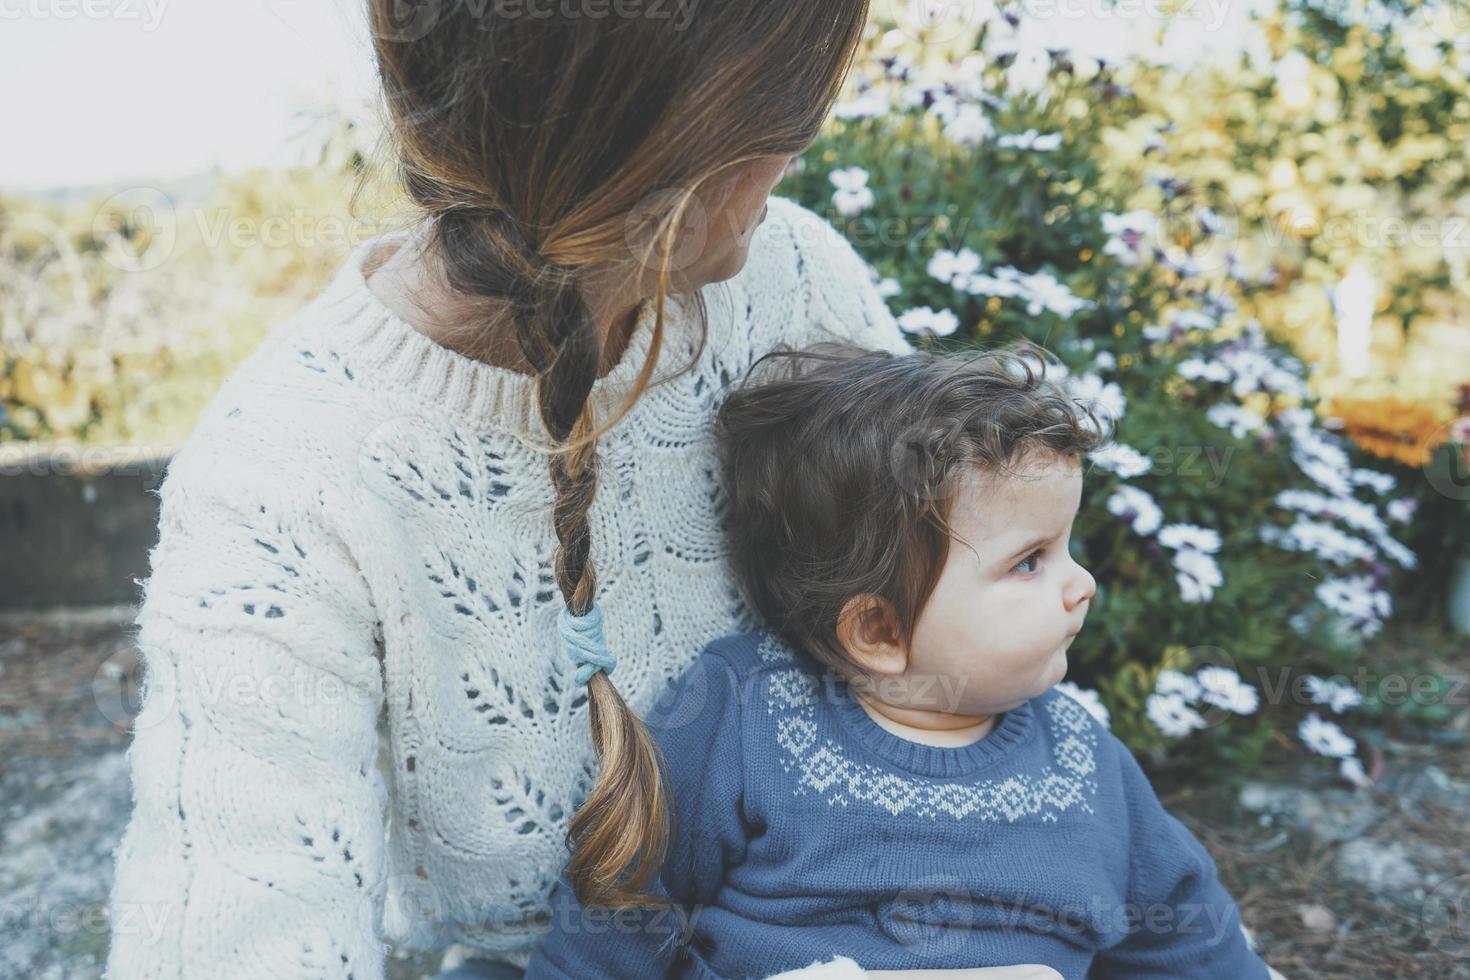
[(815, 284), (797, 245), (287, 416)]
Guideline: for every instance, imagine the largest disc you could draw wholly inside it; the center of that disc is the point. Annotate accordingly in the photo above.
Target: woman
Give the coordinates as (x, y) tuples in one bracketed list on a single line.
[(361, 725)]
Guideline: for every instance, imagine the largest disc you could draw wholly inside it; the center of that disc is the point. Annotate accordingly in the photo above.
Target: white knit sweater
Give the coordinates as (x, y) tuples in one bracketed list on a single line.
[(358, 724)]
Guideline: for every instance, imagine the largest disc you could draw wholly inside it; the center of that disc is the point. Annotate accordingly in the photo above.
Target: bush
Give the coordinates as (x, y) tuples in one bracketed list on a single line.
[(1237, 542), (121, 315)]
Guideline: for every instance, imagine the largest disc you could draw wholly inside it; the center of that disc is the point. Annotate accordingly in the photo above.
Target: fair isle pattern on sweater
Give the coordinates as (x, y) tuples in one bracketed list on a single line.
[(827, 767), (770, 871), (359, 725)]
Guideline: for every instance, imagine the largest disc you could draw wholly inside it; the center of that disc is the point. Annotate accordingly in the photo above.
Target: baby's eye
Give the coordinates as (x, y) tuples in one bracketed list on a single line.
[(1035, 555)]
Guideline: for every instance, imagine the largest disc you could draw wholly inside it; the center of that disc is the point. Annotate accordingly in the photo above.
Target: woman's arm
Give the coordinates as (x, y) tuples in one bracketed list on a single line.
[(255, 847)]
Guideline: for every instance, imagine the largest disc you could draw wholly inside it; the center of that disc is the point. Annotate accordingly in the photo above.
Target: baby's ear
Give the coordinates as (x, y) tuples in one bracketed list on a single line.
[(868, 631)]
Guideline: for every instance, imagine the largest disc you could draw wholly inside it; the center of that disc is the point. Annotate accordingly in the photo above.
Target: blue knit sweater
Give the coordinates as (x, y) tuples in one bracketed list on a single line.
[(803, 830)]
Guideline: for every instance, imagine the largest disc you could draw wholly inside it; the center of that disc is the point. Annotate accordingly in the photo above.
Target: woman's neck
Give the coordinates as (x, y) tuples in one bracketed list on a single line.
[(408, 283)]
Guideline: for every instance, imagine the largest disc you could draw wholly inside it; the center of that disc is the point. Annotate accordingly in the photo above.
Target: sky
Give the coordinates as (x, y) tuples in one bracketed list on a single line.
[(158, 89), (129, 91)]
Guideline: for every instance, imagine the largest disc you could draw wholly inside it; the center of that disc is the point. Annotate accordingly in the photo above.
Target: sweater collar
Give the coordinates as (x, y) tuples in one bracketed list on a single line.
[(1010, 731), (376, 340)]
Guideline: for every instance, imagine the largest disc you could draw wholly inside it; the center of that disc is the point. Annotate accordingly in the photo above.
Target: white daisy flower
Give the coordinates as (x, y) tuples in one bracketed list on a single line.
[(1028, 73), (1029, 140), (1324, 737), (967, 125), (1172, 716), (1118, 248), (1045, 292), (998, 284), (1357, 600), (1191, 320), (1224, 689), (1123, 460), (1196, 368), (1323, 461), (1336, 695), (1379, 483), (1176, 682), (1402, 510), (853, 195), (1356, 514), (1323, 540), (1210, 220), (923, 320), (1138, 223), (1190, 536), (1197, 575), (1105, 398), (945, 265), (1239, 420), (1136, 507), (867, 105)]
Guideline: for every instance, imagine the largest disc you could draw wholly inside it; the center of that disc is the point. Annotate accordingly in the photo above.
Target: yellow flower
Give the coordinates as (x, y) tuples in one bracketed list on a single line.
[(1392, 428)]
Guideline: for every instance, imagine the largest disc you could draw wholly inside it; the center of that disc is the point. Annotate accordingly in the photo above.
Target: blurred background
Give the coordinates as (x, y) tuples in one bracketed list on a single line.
[(1242, 225)]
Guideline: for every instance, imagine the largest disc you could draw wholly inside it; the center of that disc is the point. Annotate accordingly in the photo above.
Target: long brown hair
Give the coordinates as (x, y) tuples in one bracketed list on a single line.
[(842, 465), (529, 140)]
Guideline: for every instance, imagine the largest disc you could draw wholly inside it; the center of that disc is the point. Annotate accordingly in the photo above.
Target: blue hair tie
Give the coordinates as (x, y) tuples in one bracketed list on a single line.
[(582, 637)]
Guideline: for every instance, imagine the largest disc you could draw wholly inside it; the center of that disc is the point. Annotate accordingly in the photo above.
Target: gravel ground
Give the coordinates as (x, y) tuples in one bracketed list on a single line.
[(1333, 882)]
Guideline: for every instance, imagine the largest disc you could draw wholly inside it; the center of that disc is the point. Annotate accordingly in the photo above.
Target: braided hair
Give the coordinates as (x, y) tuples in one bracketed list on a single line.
[(530, 141)]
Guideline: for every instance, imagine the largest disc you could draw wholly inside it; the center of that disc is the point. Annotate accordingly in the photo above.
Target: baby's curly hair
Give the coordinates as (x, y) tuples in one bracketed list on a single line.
[(840, 467)]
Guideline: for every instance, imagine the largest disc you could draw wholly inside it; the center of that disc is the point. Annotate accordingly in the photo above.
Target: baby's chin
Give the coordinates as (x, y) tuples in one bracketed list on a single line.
[(1059, 666)]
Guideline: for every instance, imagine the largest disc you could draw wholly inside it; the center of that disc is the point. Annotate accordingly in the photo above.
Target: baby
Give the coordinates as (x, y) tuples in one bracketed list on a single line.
[(884, 770)]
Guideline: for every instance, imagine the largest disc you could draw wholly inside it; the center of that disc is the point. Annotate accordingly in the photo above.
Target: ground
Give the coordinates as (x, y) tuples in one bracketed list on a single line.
[(1333, 882)]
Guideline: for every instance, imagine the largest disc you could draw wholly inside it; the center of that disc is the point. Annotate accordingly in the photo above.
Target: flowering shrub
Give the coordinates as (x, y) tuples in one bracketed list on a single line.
[(1332, 151), (120, 316), (1236, 540)]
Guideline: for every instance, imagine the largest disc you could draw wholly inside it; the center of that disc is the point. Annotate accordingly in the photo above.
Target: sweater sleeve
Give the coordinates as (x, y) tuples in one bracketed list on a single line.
[(696, 723), (255, 845), (1179, 920), (845, 304)]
